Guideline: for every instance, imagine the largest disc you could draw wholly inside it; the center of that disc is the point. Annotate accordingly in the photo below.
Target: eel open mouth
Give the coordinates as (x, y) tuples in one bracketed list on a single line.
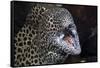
[(69, 40), (69, 43)]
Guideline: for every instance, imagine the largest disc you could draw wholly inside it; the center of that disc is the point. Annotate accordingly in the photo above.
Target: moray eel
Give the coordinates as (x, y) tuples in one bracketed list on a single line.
[(48, 36)]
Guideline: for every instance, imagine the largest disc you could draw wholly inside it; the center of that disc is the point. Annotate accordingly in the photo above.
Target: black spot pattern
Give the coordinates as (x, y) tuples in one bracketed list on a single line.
[(36, 41)]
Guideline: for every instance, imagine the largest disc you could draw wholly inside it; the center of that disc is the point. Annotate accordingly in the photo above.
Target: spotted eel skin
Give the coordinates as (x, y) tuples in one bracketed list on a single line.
[(48, 36)]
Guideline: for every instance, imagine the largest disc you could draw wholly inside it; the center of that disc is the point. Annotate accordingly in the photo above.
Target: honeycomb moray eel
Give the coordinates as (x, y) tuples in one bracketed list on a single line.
[(48, 36)]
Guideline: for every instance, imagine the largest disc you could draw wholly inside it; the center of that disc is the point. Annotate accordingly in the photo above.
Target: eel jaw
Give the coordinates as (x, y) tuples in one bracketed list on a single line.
[(72, 44), (69, 44)]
